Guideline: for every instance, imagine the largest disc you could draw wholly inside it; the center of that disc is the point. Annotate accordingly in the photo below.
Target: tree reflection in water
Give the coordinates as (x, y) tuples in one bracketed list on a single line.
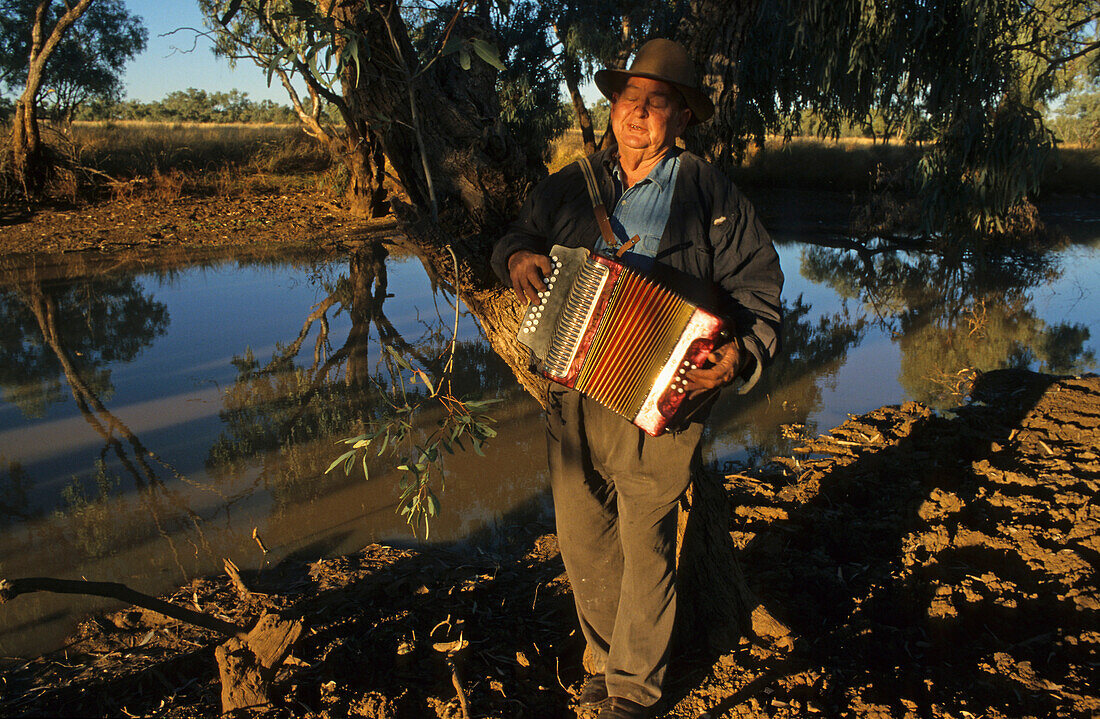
[(284, 415), (955, 318), (54, 327), (790, 391)]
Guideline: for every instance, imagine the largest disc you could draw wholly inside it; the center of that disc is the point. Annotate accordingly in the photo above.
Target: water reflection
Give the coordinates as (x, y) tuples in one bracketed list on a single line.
[(952, 318), (152, 418), (125, 511), (790, 392)]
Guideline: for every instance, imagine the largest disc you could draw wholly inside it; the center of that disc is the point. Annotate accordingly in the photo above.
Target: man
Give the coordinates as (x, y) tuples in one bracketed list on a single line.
[(616, 490)]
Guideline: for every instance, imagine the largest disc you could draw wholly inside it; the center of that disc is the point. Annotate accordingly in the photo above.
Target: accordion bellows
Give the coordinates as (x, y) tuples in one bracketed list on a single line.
[(617, 336)]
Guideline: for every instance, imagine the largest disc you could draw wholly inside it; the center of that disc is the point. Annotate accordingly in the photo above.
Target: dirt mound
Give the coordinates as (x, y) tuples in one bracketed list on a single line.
[(928, 566)]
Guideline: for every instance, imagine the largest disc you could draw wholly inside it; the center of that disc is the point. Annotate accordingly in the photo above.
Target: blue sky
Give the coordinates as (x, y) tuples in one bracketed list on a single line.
[(183, 59)]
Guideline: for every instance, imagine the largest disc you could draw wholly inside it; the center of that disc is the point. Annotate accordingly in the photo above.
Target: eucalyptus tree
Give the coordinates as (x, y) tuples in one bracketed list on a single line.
[(977, 72), (72, 52), (420, 87)]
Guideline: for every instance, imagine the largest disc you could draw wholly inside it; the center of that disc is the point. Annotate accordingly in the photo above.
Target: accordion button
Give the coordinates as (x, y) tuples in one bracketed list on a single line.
[(680, 390)]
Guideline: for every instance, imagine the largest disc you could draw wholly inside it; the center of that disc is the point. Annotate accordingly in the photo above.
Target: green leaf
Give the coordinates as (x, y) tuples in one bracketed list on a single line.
[(452, 46), (464, 58), (477, 445), (427, 382), (366, 474), (433, 505), (478, 404), (351, 54), (343, 457), (487, 52)]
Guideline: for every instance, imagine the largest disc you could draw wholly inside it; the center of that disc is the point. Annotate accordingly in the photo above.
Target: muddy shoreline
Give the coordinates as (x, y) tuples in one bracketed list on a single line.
[(928, 565)]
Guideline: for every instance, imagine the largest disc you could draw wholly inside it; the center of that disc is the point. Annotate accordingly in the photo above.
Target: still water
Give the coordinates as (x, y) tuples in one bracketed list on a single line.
[(155, 417)]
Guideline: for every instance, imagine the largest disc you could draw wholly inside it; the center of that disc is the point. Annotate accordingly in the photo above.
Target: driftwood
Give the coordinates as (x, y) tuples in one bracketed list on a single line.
[(247, 661)]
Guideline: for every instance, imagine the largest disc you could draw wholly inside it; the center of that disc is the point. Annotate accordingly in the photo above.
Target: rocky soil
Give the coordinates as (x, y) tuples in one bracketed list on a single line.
[(926, 565)]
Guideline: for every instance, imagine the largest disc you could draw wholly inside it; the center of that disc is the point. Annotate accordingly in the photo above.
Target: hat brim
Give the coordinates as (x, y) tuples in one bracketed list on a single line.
[(611, 82)]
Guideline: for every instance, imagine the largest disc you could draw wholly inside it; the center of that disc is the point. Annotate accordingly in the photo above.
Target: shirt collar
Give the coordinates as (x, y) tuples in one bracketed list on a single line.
[(660, 175)]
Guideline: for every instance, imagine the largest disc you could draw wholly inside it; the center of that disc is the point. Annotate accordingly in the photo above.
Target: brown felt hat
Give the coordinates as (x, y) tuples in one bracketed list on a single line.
[(669, 62)]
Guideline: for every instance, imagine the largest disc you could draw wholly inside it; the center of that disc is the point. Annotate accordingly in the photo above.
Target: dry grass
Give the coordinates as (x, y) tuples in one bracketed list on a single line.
[(854, 164), (171, 159), (849, 164), (139, 148), (1074, 171)]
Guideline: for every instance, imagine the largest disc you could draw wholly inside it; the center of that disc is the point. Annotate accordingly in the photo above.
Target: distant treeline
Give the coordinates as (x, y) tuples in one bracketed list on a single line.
[(190, 105)]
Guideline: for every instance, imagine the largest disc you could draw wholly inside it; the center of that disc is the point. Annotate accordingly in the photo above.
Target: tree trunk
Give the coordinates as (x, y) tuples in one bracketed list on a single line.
[(366, 271), (714, 33), (462, 175), (26, 146), (572, 73)]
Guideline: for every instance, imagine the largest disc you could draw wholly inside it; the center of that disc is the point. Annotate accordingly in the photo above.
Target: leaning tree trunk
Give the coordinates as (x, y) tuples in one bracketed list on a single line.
[(463, 178), (462, 174), (26, 145), (572, 72)]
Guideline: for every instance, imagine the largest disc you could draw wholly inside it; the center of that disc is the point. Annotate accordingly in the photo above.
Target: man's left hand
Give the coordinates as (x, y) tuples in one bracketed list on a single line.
[(724, 365)]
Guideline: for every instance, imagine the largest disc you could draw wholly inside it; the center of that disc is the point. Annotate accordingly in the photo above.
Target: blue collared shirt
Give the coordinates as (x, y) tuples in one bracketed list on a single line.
[(643, 209)]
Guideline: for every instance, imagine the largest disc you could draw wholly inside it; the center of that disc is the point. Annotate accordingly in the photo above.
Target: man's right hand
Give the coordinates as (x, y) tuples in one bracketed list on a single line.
[(528, 271)]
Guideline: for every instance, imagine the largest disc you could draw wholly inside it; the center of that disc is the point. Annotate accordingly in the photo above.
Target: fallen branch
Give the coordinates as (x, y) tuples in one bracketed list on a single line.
[(12, 588), (247, 661)]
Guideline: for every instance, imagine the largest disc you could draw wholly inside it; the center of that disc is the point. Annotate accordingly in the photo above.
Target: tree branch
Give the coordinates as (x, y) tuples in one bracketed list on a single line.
[(12, 588)]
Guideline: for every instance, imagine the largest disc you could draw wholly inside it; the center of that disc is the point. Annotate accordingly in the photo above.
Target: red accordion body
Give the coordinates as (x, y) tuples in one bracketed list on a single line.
[(618, 337)]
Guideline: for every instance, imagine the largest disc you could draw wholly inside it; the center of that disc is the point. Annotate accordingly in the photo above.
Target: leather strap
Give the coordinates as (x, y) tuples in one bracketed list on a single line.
[(598, 207)]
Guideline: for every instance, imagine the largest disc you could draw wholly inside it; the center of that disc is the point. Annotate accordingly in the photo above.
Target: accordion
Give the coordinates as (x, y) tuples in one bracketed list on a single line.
[(618, 337)]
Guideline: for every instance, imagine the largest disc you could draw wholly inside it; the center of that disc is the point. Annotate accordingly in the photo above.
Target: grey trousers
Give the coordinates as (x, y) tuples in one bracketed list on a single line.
[(616, 492)]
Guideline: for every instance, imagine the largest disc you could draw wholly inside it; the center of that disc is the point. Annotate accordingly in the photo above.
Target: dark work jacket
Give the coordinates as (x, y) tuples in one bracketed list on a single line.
[(713, 234)]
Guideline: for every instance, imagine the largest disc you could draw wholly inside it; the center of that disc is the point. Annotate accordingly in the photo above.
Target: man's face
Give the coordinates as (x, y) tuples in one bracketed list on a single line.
[(648, 115)]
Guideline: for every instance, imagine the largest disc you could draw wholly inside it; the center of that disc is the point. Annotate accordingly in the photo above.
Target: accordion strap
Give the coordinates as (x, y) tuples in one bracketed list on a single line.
[(598, 207)]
